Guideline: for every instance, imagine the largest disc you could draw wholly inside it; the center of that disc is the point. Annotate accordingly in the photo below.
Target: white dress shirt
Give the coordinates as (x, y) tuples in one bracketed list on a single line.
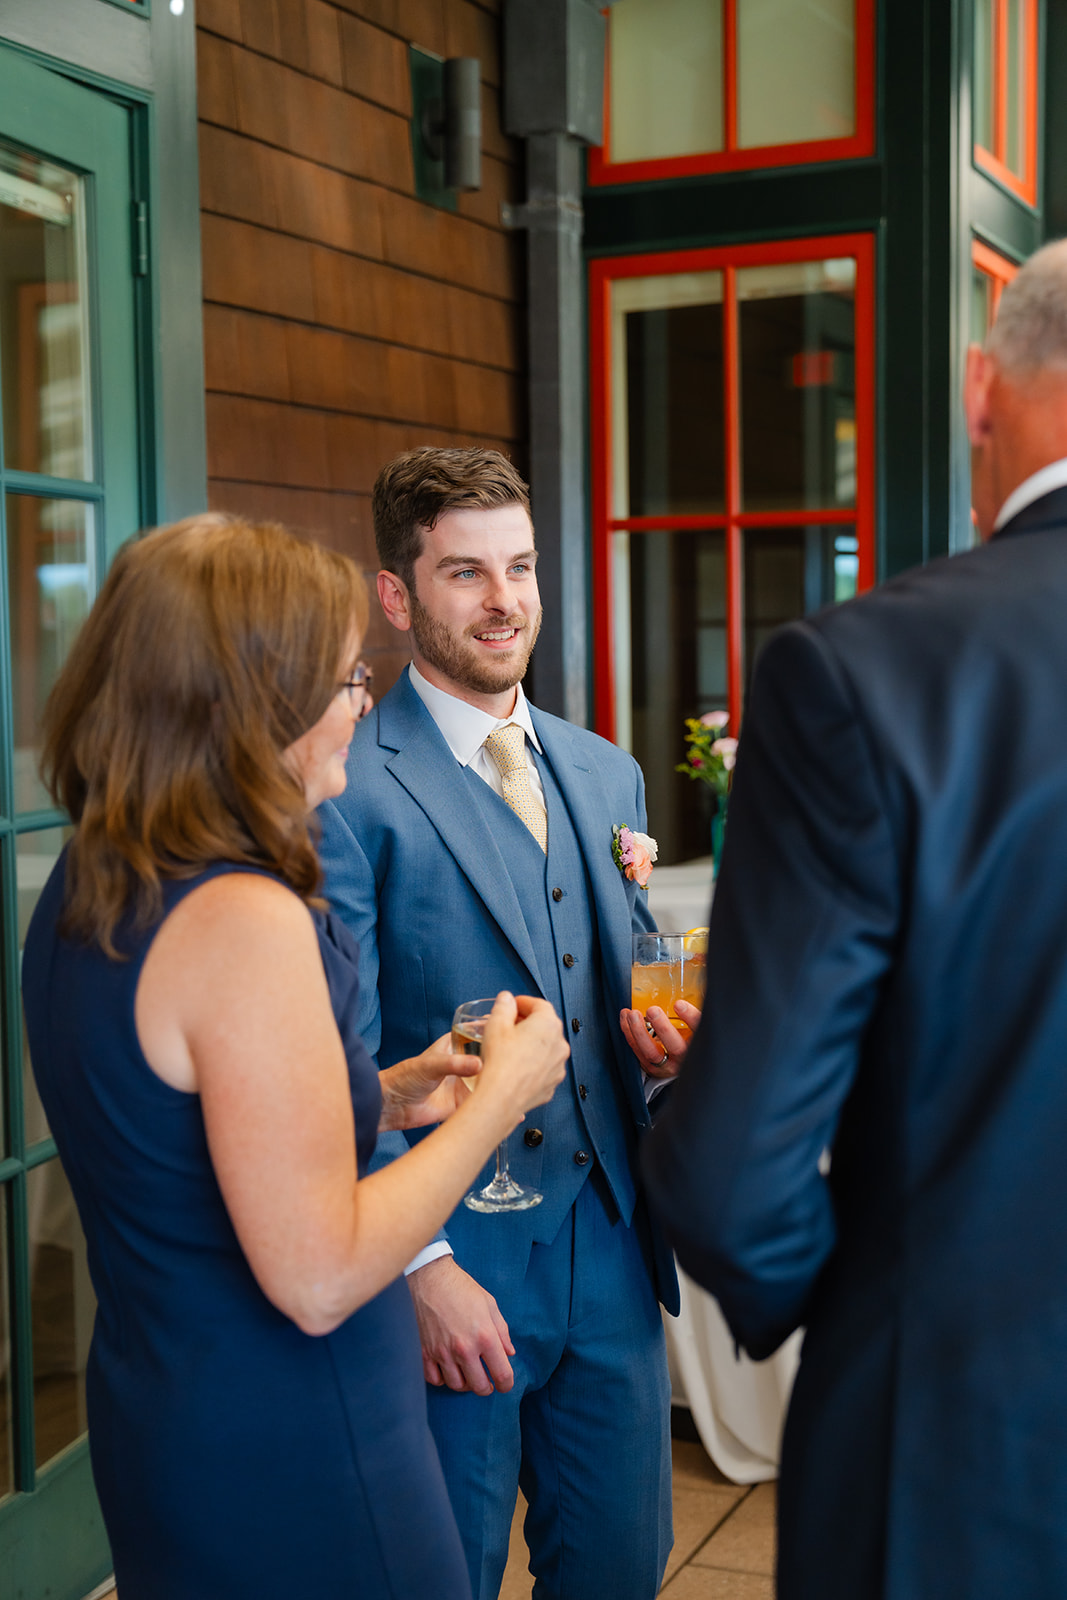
[(465, 729), (1039, 483)]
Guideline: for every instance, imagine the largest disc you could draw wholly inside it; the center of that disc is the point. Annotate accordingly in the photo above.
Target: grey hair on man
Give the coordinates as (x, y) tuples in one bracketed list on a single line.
[(1015, 388), (1031, 327)]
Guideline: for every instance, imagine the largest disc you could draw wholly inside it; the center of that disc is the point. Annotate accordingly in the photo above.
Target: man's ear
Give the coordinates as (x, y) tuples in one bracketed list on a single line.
[(977, 383), (393, 595)]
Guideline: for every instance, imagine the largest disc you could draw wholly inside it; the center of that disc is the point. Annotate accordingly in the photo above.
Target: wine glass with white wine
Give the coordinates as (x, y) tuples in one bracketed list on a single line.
[(502, 1193)]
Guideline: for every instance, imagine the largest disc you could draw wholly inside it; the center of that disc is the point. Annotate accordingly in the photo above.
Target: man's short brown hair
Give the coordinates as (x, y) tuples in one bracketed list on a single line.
[(418, 487)]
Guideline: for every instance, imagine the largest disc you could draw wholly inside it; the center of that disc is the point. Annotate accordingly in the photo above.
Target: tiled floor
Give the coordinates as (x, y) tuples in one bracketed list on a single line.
[(723, 1537)]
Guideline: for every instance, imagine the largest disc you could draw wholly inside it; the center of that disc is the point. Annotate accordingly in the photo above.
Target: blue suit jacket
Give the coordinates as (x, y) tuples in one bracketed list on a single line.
[(887, 976), (418, 876)]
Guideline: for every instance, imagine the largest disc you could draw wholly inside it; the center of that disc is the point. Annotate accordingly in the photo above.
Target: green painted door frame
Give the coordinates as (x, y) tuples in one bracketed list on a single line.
[(81, 129), (109, 91)]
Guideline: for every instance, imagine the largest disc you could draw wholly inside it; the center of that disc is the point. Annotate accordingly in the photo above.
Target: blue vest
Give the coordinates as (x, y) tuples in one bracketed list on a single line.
[(588, 1120)]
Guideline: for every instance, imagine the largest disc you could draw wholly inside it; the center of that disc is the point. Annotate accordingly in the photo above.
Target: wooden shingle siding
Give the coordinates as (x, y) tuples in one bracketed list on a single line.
[(344, 319)]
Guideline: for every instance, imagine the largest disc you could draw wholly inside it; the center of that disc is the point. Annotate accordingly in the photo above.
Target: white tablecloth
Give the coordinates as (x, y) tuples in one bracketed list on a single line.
[(738, 1405)]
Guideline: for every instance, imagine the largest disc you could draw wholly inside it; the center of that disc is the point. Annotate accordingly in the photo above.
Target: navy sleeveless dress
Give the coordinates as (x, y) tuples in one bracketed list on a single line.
[(233, 1454)]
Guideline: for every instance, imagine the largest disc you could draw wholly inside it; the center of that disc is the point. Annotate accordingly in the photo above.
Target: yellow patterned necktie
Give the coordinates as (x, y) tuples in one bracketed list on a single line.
[(507, 746)]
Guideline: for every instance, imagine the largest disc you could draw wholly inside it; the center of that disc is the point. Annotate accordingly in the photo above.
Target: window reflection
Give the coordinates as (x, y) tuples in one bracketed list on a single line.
[(798, 385), (669, 408), (62, 1307), (43, 317), (796, 71), (50, 582), (677, 636), (982, 76), (981, 305), (794, 67), (7, 1481), (790, 572), (665, 78), (1014, 132), (36, 855), (61, 1296)]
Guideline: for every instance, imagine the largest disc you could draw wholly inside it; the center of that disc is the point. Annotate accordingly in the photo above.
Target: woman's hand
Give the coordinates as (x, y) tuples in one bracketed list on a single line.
[(426, 1088), (662, 1052), (524, 1052)]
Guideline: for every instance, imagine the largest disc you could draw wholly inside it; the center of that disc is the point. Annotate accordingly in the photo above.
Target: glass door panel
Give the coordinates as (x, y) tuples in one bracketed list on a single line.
[(790, 572), (733, 402), (798, 384), (44, 320), (677, 625), (669, 334)]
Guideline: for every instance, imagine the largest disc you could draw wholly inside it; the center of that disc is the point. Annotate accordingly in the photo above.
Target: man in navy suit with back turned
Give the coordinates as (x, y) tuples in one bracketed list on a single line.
[(472, 852), (888, 982)]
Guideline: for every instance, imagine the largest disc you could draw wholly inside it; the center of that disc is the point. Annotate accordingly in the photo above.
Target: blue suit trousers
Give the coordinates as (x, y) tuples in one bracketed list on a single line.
[(584, 1430)]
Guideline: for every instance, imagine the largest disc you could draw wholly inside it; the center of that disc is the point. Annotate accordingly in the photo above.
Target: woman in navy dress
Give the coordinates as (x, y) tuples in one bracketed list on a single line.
[(257, 1418)]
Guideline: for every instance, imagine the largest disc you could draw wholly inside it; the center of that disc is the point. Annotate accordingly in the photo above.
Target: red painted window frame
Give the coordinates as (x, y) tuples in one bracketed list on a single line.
[(995, 267), (601, 169), (602, 273), (1023, 184)]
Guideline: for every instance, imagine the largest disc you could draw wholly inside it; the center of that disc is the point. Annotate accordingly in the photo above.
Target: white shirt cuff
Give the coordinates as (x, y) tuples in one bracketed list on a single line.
[(432, 1252), (652, 1086)]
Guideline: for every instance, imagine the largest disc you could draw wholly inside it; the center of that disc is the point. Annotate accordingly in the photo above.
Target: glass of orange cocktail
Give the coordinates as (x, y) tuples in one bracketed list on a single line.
[(668, 967)]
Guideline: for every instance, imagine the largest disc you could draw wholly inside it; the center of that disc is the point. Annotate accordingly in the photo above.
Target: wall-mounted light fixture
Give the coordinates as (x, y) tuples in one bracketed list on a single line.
[(446, 129)]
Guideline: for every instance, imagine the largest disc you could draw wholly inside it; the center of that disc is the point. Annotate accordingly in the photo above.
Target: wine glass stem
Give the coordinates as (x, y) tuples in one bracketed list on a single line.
[(503, 1176)]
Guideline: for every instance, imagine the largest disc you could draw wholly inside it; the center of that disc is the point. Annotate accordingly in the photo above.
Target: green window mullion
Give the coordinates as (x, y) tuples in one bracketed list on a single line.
[(37, 1154), (35, 821), (38, 483)]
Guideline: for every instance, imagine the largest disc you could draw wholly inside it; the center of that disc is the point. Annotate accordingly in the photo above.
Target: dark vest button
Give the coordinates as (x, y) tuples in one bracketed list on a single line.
[(532, 1138), (581, 1157), (576, 1026), (582, 1091), (568, 961), (557, 894)]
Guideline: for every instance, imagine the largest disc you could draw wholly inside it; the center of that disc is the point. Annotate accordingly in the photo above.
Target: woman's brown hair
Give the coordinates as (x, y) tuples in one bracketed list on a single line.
[(212, 646)]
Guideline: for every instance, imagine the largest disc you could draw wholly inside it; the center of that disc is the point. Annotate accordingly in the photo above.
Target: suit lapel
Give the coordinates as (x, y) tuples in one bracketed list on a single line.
[(425, 766)]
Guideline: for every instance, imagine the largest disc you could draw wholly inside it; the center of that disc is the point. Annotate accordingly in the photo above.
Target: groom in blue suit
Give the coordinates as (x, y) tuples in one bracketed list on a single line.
[(472, 852)]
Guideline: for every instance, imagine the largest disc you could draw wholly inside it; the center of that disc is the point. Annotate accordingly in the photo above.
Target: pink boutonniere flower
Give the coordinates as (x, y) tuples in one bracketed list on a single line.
[(633, 853)]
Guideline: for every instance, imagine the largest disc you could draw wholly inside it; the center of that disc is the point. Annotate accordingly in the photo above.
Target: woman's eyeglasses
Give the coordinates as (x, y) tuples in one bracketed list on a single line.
[(358, 686)]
